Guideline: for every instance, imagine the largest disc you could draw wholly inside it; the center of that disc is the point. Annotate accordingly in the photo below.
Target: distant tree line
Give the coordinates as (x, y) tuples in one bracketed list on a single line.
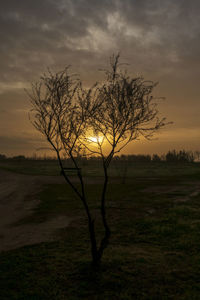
[(170, 156), (23, 157)]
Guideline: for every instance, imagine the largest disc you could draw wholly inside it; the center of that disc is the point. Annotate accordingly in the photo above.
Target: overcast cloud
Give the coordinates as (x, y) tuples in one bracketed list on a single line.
[(160, 39)]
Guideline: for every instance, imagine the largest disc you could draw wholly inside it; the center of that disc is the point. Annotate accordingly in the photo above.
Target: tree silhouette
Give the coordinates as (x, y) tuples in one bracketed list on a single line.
[(99, 121)]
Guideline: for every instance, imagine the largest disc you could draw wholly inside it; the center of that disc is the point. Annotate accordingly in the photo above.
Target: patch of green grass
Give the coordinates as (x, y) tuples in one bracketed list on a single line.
[(61, 270), (154, 251)]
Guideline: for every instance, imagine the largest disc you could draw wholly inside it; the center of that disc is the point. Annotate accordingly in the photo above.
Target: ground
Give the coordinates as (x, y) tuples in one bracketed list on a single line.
[(19, 196), (154, 252)]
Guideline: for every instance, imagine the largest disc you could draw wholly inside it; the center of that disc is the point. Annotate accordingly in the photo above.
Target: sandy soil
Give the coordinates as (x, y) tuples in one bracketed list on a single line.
[(18, 196)]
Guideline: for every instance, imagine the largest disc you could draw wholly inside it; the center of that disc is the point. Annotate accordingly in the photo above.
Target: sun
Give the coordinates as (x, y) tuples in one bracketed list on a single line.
[(95, 139)]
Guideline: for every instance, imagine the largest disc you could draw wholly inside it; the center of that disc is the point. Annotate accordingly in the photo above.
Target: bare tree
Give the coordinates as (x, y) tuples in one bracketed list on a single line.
[(100, 120)]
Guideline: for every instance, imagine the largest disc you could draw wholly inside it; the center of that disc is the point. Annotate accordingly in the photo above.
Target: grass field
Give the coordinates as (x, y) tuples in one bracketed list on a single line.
[(154, 253), (93, 169)]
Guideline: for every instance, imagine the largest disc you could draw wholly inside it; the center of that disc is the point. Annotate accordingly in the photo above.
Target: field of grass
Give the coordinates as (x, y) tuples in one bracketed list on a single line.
[(154, 251), (94, 169)]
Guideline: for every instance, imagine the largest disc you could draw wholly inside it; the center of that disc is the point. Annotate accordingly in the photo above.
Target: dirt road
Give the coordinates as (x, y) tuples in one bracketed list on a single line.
[(18, 197)]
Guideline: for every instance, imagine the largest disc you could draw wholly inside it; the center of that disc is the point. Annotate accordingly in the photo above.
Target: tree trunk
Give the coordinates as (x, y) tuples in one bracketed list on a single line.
[(105, 240), (94, 250)]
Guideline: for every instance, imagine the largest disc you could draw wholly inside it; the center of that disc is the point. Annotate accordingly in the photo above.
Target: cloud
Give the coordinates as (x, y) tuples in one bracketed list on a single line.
[(159, 39), (18, 142), (39, 34)]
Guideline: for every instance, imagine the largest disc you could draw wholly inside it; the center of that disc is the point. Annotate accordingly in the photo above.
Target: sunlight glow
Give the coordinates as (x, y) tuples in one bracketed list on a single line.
[(95, 139)]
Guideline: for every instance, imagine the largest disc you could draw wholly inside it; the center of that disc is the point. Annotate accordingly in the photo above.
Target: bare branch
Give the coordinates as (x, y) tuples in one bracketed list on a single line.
[(100, 120)]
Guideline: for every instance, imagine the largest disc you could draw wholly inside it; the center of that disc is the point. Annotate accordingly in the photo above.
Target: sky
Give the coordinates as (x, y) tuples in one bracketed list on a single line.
[(158, 39)]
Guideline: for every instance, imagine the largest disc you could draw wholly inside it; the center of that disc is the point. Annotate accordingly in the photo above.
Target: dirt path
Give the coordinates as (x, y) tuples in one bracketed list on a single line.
[(18, 196)]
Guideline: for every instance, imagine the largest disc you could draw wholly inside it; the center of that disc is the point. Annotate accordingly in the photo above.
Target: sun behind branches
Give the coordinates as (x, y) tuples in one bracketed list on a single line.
[(95, 139)]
